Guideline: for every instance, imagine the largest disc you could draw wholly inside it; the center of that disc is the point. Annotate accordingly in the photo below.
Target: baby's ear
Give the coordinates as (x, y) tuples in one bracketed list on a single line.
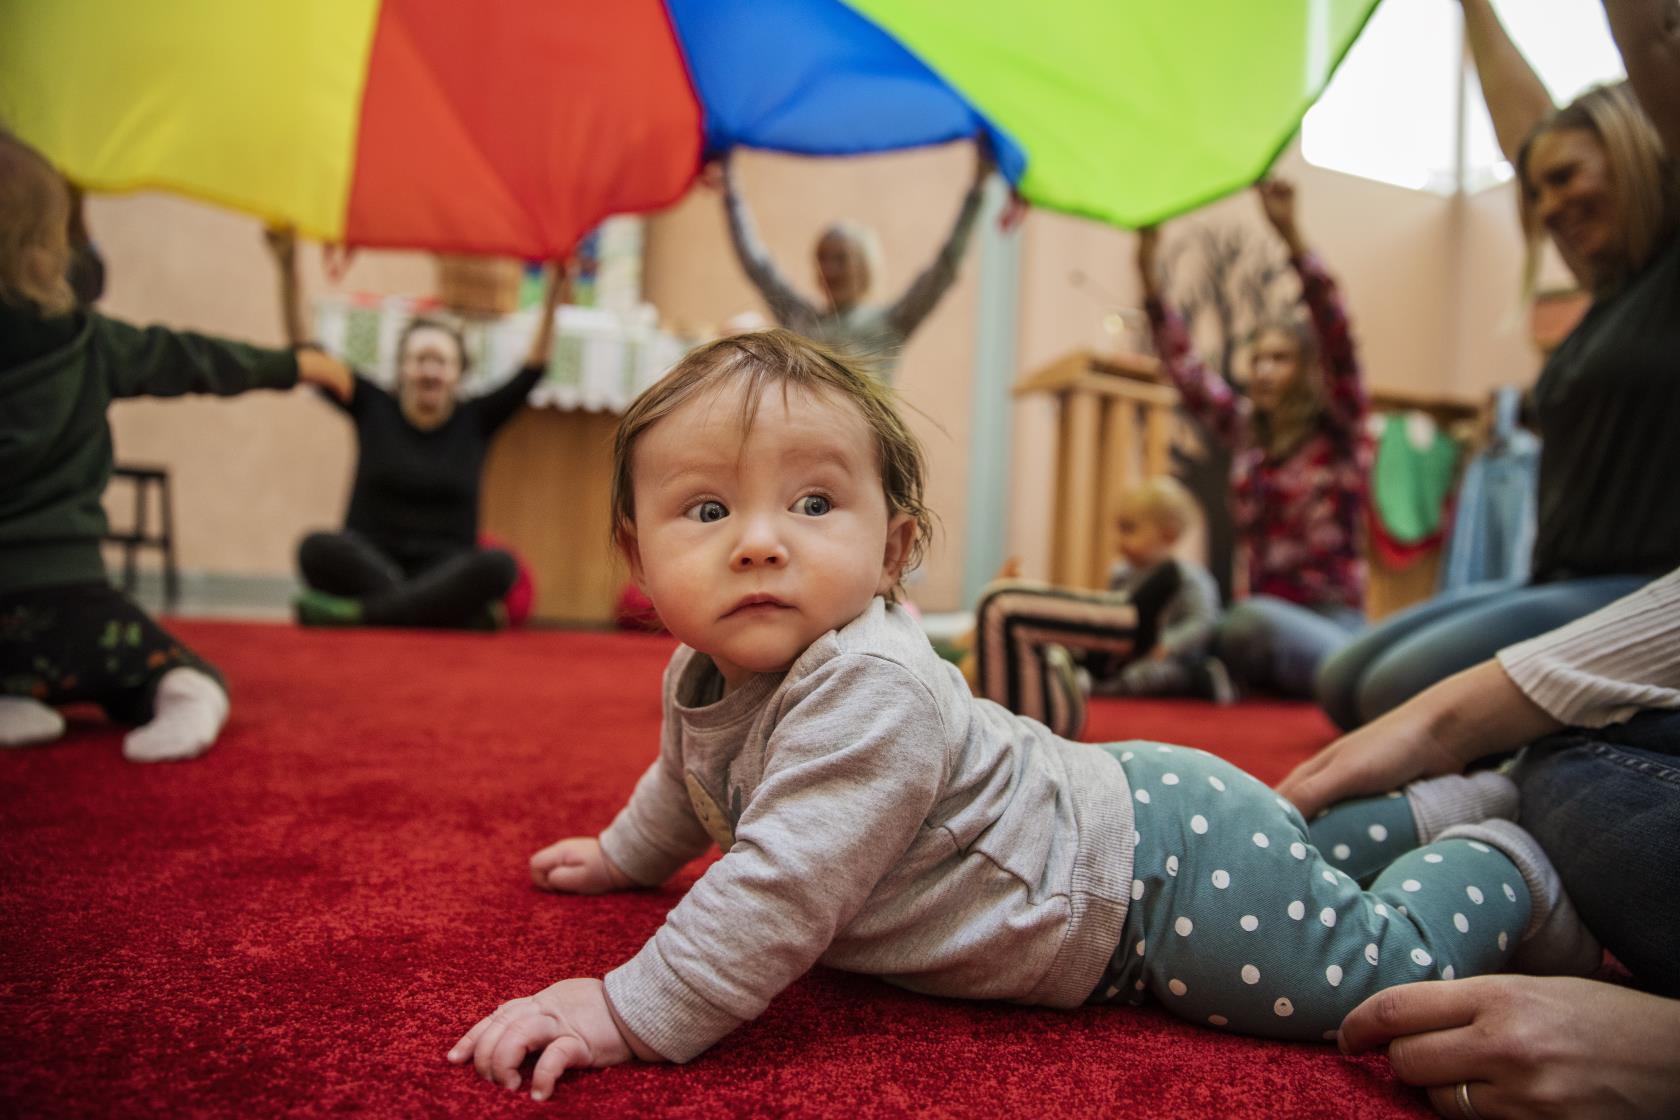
[(901, 538)]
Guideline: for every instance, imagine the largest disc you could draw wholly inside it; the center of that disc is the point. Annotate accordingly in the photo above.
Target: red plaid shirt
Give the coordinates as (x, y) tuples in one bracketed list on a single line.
[(1299, 518)]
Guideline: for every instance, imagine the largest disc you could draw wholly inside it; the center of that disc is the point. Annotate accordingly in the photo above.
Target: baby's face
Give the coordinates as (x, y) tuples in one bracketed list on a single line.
[(752, 549), (1144, 540)]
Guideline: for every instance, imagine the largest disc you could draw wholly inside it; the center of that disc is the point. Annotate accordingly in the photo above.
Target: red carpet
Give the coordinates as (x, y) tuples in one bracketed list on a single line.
[(303, 921)]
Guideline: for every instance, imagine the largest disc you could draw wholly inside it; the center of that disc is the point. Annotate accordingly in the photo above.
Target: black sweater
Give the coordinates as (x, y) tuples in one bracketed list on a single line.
[(416, 492)]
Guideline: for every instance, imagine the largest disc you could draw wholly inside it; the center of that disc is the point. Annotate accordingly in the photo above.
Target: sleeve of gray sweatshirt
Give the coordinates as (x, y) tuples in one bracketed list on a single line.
[(1608, 666), (851, 772), (790, 309), (657, 832), (924, 292)]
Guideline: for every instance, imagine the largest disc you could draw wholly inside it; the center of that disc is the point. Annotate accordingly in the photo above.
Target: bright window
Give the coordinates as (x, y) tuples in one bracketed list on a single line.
[(1391, 111)]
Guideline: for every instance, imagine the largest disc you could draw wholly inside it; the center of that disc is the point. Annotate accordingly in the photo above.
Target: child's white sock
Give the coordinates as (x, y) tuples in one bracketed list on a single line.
[(189, 711), (25, 721), (1555, 942), (1439, 803)]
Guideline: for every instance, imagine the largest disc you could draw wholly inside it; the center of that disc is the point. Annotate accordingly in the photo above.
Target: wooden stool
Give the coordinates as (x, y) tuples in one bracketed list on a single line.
[(144, 480)]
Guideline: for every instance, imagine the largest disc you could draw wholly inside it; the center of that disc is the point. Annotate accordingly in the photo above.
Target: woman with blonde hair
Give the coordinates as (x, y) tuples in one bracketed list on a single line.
[(1598, 179), (1298, 471)]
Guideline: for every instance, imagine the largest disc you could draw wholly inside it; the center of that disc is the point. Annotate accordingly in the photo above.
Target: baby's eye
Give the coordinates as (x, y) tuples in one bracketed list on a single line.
[(814, 505), (707, 511)]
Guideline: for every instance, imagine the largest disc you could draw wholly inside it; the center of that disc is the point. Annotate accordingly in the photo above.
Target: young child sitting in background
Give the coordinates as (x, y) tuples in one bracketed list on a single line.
[(66, 634), (1041, 649), (1152, 518), (877, 818)]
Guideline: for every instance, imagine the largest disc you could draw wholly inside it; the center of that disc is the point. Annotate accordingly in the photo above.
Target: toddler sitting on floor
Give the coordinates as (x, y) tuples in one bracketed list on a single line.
[(877, 818)]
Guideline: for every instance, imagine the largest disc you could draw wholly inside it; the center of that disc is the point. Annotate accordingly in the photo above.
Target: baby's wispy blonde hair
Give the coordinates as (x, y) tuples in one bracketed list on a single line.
[(1164, 500)]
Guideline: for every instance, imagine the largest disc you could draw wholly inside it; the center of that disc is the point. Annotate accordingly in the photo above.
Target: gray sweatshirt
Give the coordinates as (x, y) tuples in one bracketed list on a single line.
[(873, 335), (875, 818)]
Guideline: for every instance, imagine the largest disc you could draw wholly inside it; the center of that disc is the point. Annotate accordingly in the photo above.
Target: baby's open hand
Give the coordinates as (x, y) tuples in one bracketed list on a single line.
[(577, 865), (570, 1022)]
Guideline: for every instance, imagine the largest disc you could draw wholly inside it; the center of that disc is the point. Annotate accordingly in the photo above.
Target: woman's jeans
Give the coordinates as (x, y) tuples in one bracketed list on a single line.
[(1407, 652), (1272, 645), (1605, 804)]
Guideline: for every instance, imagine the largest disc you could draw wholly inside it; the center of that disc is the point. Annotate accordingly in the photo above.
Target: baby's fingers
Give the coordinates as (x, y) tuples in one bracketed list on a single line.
[(463, 1049), (572, 878), (527, 1033), (564, 1053)]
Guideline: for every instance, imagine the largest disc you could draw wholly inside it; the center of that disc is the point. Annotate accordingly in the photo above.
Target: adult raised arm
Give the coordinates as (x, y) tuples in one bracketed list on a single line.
[(1647, 32), (1277, 203), (557, 290), (1148, 261), (1516, 99), (315, 366), (789, 307), (1526, 1046), (282, 246), (925, 291)]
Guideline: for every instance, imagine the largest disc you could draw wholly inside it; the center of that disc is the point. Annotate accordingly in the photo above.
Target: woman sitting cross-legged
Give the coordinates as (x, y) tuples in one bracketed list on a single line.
[(408, 554)]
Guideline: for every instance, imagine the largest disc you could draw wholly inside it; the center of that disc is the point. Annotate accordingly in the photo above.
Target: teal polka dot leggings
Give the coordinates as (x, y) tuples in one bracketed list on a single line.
[(1245, 918)]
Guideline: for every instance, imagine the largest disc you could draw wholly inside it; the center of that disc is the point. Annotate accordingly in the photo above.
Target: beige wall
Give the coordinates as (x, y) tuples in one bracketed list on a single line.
[(1431, 283)]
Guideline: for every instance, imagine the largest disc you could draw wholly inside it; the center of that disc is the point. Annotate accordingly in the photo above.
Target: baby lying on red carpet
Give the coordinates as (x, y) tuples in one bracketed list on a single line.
[(875, 817)]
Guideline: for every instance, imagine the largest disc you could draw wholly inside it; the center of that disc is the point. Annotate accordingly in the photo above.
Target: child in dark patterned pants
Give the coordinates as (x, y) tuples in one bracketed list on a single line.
[(65, 634)]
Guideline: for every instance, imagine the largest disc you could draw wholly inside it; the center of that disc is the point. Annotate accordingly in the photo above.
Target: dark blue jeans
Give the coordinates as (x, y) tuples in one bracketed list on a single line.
[(1410, 650), (1605, 804), (1275, 646)]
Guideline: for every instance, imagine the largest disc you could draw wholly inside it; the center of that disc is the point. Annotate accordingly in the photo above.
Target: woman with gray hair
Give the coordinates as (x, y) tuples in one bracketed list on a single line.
[(848, 259)]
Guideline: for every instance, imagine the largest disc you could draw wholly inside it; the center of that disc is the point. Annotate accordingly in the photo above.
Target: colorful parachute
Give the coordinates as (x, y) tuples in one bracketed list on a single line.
[(513, 126)]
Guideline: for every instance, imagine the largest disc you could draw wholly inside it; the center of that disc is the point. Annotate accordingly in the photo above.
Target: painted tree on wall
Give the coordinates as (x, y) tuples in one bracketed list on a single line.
[(1223, 279)]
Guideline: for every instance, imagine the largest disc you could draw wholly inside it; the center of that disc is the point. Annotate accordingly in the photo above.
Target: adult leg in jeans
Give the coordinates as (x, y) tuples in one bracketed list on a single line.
[(457, 592), (346, 564), (1472, 628), (1276, 646), (1605, 804), (1339, 678)]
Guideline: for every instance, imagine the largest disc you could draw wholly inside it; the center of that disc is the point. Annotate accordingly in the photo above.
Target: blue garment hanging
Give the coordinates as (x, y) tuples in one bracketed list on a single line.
[(1492, 534)]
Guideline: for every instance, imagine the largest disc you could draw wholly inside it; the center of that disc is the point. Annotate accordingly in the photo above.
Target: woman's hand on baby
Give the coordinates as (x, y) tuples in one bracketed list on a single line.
[(577, 865), (1441, 730), (1527, 1045), (570, 1022), (1378, 757)]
